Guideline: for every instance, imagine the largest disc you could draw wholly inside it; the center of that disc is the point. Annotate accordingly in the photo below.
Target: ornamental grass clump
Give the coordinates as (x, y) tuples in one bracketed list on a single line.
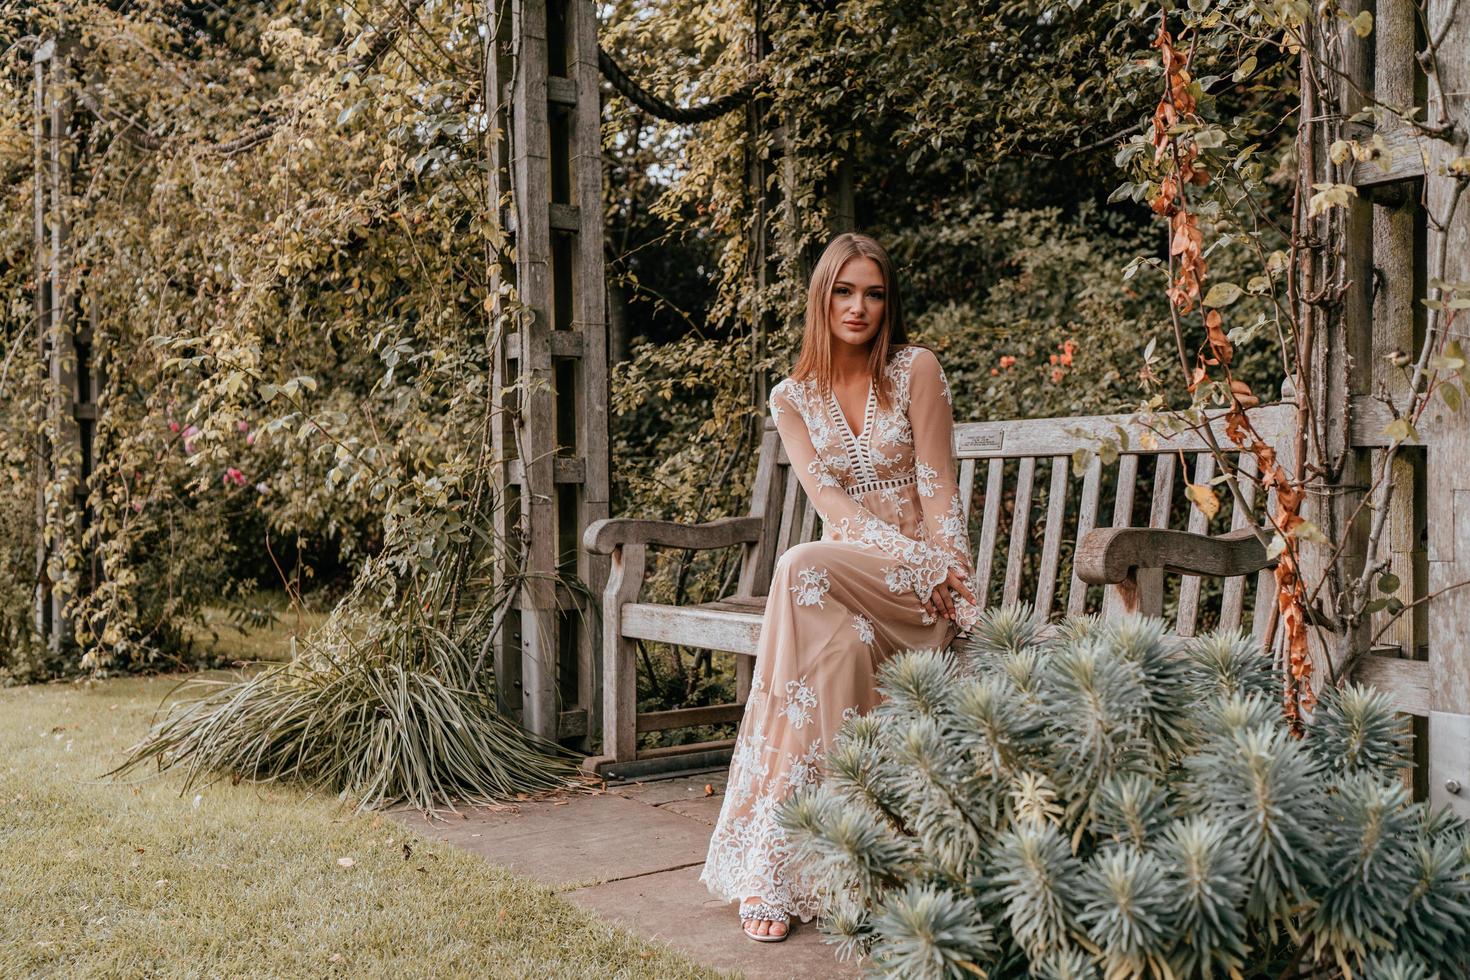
[(382, 707), (1097, 801)]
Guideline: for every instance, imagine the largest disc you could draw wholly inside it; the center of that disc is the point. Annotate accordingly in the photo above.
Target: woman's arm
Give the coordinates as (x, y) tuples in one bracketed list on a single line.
[(931, 416), (921, 567)]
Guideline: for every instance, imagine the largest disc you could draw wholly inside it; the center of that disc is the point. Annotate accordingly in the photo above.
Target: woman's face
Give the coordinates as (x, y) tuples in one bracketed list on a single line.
[(855, 307)]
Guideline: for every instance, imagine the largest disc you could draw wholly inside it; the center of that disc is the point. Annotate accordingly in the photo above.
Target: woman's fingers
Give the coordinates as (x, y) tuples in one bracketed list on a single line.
[(961, 586)]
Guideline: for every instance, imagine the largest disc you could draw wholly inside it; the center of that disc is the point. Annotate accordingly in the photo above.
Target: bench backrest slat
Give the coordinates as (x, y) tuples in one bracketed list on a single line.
[(1184, 623), (1020, 528), (1051, 548), (1036, 563), (989, 527), (1233, 599), (808, 521), (1086, 521), (789, 512)]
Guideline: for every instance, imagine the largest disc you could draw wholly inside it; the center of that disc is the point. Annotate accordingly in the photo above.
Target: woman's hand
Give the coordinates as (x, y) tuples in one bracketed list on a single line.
[(941, 600)]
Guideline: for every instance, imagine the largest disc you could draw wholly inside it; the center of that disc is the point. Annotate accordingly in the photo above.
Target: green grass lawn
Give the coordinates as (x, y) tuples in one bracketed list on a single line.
[(220, 636), (107, 878)]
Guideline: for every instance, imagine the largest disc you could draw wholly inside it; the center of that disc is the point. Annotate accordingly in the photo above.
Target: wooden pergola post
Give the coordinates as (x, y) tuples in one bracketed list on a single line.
[(1447, 501), (1420, 236), (553, 443), (64, 445)]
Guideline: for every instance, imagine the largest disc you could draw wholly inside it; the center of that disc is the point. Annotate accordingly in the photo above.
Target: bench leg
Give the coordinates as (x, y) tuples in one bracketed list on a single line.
[(744, 673), (1141, 592), (619, 656)]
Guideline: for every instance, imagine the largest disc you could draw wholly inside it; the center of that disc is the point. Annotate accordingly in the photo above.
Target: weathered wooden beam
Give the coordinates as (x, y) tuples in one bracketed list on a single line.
[(531, 205), (1054, 437), (693, 626), (1447, 22), (1400, 159), (1394, 317), (1347, 359), (712, 714), (589, 325), (619, 654), (1406, 681), (564, 469), (601, 537)]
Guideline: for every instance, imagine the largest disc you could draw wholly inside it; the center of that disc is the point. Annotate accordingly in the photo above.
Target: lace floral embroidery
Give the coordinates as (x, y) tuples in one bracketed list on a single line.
[(813, 586), (800, 699), (926, 475), (864, 627)]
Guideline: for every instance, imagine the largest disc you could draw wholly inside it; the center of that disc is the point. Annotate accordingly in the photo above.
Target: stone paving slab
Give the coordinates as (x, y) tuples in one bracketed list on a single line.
[(578, 840), (706, 810), (675, 908), (659, 792), (633, 854)]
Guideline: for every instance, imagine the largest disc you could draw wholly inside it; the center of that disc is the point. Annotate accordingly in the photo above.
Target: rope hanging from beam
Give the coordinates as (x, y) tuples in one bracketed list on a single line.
[(657, 107)]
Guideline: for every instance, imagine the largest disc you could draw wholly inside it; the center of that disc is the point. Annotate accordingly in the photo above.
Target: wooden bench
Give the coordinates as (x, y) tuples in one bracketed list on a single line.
[(1108, 549)]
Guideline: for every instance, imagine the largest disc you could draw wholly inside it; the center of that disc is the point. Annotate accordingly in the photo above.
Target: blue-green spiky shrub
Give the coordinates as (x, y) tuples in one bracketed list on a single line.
[(1097, 801)]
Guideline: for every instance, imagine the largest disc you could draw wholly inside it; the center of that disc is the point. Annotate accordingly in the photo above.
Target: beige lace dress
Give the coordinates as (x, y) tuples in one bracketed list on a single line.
[(892, 527)]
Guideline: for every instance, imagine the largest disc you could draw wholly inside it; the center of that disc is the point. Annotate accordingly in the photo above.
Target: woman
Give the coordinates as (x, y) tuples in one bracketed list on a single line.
[(867, 422)]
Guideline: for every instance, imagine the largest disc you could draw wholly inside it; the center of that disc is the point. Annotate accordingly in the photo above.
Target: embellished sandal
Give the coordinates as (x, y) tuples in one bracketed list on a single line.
[(769, 913)]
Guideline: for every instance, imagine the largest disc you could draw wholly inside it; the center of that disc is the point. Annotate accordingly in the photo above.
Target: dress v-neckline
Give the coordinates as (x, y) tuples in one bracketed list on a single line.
[(857, 437)]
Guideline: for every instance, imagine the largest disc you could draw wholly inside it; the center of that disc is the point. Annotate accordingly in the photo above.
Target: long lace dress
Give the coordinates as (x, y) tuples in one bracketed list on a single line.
[(892, 527)]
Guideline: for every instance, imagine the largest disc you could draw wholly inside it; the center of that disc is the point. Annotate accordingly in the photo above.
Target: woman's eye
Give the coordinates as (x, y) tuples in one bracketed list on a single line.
[(840, 291)]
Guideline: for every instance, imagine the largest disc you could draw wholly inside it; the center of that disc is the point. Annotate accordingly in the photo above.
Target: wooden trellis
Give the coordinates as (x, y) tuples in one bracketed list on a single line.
[(1399, 245), (553, 443)]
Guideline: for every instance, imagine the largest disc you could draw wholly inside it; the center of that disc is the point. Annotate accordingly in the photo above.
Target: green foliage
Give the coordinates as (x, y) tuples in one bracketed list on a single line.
[(1091, 802), (295, 339)]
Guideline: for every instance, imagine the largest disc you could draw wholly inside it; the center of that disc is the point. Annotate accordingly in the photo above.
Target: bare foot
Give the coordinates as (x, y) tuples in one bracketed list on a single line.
[(762, 927)]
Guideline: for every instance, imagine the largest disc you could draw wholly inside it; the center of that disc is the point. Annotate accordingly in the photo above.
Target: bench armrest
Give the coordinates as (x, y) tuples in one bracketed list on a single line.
[(1107, 554), (601, 537)]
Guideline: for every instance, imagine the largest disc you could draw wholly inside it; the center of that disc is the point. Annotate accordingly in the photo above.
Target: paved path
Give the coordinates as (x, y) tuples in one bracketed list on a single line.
[(633, 855)]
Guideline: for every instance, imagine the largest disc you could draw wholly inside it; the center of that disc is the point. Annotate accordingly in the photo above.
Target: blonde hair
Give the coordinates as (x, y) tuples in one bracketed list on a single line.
[(815, 360)]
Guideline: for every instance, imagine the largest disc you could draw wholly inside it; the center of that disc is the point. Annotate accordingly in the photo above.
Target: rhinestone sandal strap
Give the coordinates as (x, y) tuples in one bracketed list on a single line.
[(763, 911)]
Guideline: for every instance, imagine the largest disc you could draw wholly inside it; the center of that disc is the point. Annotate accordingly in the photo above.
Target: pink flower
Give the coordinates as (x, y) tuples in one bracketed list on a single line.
[(250, 439), (173, 427), (1007, 361), (137, 506), (242, 425), (191, 432), (262, 488), (188, 447), (234, 476)]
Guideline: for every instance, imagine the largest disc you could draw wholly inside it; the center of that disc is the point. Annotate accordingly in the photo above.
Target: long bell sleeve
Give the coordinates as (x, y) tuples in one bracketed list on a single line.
[(931, 415), (920, 567)]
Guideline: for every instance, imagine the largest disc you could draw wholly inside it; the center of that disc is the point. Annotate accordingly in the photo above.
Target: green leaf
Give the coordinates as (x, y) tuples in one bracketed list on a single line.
[(1451, 396), (1330, 196), (1307, 531), (1244, 71), (1401, 430), (1389, 583), (1222, 294)]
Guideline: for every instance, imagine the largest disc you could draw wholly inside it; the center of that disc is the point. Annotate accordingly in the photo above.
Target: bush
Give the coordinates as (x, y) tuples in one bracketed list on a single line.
[(1088, 803), (381, 705)]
